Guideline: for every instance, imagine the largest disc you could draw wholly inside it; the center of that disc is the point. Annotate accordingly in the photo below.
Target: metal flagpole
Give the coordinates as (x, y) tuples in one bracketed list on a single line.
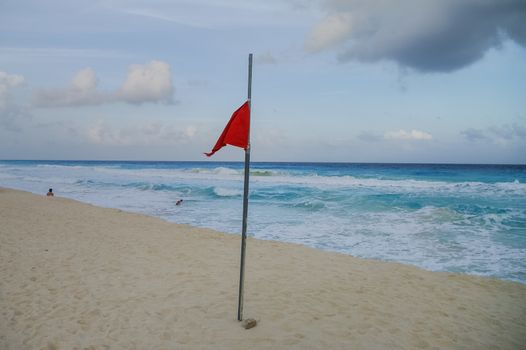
[(245, 201)]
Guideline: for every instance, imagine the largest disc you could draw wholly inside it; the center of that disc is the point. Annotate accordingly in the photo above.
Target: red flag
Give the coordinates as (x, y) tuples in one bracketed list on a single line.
[(236, 131)]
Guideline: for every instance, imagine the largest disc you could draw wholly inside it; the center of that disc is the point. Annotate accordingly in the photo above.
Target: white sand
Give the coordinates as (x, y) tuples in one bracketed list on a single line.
[(75, 276)]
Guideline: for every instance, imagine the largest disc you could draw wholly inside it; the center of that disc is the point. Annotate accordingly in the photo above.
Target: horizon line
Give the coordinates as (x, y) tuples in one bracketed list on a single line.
[(264, 161)]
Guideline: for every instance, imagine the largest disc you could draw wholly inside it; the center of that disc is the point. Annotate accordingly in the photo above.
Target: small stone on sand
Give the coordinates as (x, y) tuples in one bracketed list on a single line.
[(249, 323)]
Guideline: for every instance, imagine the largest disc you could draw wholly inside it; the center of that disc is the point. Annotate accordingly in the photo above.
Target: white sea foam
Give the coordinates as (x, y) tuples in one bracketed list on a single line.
[(469, 226), (430, 237), (272, 177), (214, 171), (7, 176), (227, 192)]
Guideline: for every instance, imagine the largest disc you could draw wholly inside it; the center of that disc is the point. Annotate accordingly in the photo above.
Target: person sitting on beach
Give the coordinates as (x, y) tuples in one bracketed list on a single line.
[(179, 202), (50, 193)]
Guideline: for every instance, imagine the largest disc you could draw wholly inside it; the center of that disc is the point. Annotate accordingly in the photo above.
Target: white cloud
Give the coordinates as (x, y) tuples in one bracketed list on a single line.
[(85, 80), (53, 53), (331, 31), (266, 58), (369, 136), (153, 133), (407, 135), (82, 91), (151, 82), (500, 135), (474, 135), (216, 13), (100, 134), (7, 82), (10, 112)]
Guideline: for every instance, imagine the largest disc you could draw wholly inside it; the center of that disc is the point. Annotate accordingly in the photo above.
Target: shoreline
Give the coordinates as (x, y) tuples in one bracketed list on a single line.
[(77, 275), (441, 219)]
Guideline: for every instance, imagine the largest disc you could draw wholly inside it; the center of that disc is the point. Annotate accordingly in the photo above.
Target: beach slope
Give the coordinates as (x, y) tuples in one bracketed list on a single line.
[(76, 276)]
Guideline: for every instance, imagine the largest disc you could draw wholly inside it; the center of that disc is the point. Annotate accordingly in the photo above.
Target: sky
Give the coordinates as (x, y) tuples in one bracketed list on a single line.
[(418, 81)]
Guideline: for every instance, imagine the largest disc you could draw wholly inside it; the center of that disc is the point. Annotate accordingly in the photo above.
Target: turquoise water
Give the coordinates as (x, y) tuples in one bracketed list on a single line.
[(459, 218)]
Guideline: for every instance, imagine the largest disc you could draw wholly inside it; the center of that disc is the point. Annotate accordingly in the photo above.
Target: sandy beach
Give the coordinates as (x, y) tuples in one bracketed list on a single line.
[(76, 276)]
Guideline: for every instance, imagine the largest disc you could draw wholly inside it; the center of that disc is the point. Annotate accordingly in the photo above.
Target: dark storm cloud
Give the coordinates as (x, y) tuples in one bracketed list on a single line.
[(429, 36), (474, 135), (505, 132)]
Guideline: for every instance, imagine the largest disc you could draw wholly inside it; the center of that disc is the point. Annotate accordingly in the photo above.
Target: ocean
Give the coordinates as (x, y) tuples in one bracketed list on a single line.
[(456, 218)]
